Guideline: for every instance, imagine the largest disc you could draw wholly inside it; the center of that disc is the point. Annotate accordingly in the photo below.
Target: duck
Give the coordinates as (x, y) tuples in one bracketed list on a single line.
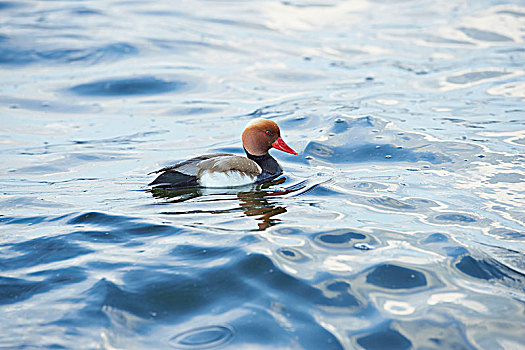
[(224, 170)]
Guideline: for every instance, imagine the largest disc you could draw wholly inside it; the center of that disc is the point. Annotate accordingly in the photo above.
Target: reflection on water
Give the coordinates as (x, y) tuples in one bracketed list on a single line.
[(206, 337), (253, 202), (127, 87), (257, 205), (400, 224)]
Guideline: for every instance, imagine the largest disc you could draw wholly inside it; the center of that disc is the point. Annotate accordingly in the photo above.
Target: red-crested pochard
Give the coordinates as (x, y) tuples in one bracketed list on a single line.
[(229, 170)]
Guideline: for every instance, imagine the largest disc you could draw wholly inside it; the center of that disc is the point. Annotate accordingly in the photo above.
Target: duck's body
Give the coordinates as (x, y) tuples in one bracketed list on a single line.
[(229, 170)]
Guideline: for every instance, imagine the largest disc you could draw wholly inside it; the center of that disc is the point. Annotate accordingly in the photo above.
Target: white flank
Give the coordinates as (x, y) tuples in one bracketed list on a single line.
[(225, 179)]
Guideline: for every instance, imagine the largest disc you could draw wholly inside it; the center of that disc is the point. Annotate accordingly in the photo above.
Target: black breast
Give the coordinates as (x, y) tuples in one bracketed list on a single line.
[(267, 163)]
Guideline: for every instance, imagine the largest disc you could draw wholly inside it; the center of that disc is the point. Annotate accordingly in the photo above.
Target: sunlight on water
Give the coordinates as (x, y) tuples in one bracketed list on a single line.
[(400, 224)]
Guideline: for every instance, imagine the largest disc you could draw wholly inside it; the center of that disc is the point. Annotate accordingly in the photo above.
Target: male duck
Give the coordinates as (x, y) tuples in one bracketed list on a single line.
[(229, 170)]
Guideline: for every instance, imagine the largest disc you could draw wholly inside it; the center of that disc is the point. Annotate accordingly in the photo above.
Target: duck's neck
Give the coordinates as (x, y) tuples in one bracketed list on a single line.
[(267, 163)]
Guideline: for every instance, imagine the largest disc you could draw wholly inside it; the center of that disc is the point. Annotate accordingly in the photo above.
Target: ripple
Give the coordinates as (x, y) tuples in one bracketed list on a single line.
[(31, 220), (484, 35), (455, 217), (339, 295), (41, 251), (368, 152), (109, 52), (485, 269), (97, 218), (471, 77), (507, 177), (6, 5), (341, 238), (195, 111), (192, 252), (436, 238), (384, 339), (512, 13), (506, 233), (512, 89), (292, 77), (50, 106), (364, 186), (13, 290), (203, 338), (455, 251), (147, 85), (14, 55), (288, 231), (242, 287), (85, 11), (443, 40), (293, 254), (355, 140), (391, 204), (117, 229), (396, 277)]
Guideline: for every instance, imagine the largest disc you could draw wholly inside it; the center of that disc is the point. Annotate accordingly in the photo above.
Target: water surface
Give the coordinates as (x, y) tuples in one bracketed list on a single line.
[(400, 225)]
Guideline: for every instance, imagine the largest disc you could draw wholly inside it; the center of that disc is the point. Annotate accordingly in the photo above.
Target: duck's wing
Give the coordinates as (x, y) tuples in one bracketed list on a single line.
[(229, 163), (190, 166)]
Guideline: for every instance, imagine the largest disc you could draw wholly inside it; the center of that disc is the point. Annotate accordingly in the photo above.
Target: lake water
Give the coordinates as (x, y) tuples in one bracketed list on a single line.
[(400, 225)]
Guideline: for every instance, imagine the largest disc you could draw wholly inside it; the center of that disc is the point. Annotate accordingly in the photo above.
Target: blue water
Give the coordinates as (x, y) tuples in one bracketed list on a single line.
[(400, 225)]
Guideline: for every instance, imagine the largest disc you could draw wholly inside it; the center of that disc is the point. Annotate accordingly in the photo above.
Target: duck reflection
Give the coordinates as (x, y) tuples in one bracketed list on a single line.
[(254, 202)]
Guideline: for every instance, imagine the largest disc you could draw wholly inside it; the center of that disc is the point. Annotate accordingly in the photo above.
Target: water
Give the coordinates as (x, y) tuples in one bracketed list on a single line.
[(400, 225)]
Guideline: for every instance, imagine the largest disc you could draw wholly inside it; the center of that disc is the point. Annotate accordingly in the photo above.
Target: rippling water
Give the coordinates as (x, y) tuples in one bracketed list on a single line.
[(400, 225)]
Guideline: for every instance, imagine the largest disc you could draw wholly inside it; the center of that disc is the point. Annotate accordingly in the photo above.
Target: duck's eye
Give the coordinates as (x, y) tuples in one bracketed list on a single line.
[(268, 132)]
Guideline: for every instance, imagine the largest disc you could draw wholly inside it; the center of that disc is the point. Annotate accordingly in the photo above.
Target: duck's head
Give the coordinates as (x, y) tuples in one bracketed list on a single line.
[(260, 135)]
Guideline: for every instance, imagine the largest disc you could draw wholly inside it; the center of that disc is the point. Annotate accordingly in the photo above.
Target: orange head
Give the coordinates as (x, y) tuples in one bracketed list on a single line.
[(260, 135)]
